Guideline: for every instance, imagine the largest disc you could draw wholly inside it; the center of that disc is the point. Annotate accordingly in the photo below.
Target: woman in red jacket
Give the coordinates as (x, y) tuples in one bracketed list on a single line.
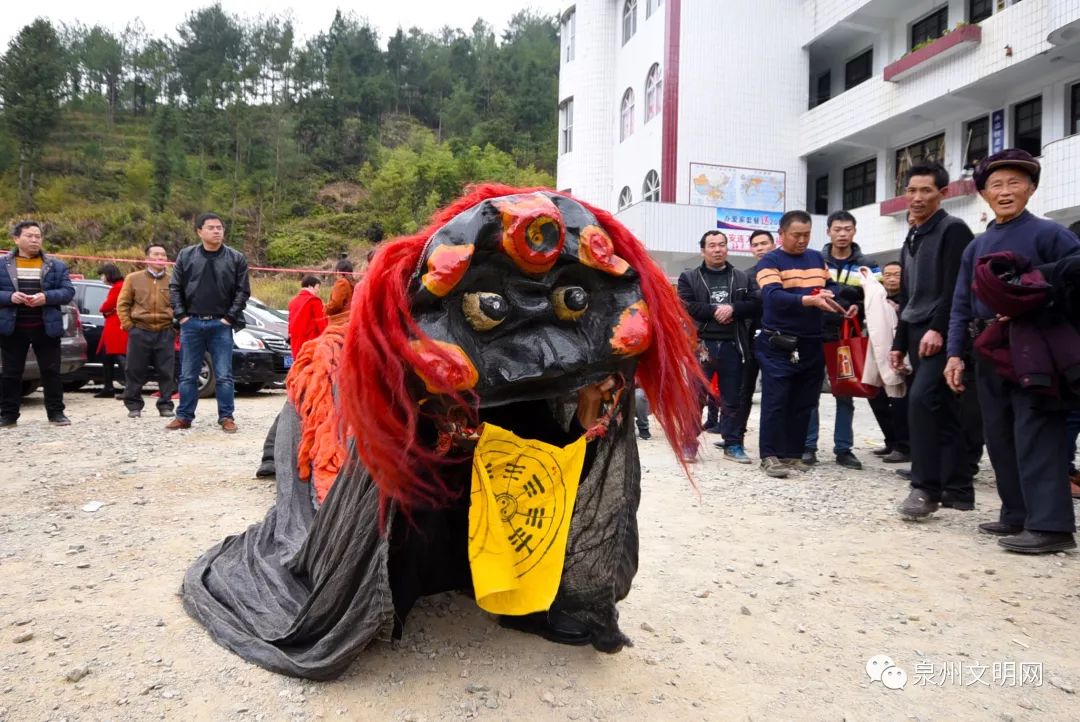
[(113, 345), (307, 316)]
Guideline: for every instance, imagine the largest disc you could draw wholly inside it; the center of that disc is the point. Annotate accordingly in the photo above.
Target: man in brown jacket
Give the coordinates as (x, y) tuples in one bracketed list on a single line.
[(145, 313)]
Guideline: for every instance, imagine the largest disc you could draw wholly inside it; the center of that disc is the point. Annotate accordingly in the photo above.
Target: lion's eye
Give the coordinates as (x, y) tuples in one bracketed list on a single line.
[(570, 302), (484, 311)]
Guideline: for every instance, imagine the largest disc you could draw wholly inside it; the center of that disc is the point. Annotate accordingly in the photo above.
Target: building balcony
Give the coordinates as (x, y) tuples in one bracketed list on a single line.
[(1012, 50), (952, 43)]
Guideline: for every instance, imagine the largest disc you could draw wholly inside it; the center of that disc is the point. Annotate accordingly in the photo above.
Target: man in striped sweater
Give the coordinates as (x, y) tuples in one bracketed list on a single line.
[(796, 292)]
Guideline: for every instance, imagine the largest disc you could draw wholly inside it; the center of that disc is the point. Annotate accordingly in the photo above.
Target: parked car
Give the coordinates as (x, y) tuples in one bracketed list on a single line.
[(72, 351), (260, 357)]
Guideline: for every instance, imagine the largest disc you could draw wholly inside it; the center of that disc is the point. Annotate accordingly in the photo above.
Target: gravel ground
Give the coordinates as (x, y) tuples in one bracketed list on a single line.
[(757, 599)]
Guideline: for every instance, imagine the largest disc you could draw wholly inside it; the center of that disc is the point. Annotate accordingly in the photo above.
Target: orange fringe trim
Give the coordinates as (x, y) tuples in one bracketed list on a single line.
[(310, 386)]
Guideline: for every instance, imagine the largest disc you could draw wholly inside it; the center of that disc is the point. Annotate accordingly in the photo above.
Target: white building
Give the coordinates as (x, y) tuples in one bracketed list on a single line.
[(823, 102)]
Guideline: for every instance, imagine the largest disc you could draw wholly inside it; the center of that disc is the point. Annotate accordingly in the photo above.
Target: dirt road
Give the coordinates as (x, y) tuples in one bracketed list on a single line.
[(760, 599)]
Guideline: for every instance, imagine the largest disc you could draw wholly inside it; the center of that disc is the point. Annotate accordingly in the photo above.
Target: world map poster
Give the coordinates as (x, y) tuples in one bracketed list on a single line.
[(746, 199)]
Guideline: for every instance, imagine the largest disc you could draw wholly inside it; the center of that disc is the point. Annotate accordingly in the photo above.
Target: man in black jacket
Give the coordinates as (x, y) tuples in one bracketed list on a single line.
[(208, 292), (941, 472), (761, 243), (715, 295)]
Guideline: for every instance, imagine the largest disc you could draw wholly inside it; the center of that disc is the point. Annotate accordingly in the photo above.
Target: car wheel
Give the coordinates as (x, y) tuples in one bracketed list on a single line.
[(70, 386), (252, 388), (207, 380), (29, 387)]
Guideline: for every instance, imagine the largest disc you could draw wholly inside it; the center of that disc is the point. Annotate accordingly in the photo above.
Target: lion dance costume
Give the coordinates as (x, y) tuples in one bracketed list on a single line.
[(436, 443)]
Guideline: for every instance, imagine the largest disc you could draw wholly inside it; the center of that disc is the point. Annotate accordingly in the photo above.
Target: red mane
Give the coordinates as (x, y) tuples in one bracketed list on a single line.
[(379, 360)]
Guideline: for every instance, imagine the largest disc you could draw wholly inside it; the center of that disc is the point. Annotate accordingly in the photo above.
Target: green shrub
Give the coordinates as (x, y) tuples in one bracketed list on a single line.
[(298, 247)]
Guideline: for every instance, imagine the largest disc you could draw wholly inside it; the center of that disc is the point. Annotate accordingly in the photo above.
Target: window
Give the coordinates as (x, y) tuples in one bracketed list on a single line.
[(821, 196), (626, 115), (650, 189), (92, 298), (654, 84), (976, 141), (1074, 109), (924, 151), (860, 184), (629, 20), (569, 28), (979, 10), (930, 27), (566, 126), (859, 69), (822, 90), (1027, 126), (652, 6), (625, 199)]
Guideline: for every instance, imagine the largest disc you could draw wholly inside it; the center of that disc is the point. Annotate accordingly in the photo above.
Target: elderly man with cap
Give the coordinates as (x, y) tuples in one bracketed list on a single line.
[(1025, 433)]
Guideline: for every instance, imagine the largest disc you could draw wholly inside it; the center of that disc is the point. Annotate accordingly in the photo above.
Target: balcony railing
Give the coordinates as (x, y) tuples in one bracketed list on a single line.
[(953, 42)]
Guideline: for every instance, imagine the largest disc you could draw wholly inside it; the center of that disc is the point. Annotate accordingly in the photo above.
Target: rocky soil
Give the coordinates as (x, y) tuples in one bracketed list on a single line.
[(756, 599)]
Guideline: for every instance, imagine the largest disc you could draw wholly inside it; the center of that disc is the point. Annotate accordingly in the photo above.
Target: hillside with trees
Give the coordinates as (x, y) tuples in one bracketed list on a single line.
[(306, 148)]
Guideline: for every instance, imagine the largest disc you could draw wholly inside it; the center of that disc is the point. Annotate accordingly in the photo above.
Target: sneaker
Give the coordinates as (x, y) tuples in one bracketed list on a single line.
[(917, 506), (1000, 528), (1038, 542), (896, 457), (809, 457), (166, 413), (644, 435), (227, 425), (59, 420), (848, 460), (177, 424), (797, 465), (736, 453), (135, 414), (6, 423), (772, 466), (882, 451)]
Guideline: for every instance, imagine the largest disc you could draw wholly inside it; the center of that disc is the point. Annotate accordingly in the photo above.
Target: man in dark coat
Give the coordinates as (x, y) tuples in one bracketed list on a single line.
[(1025, 432), (716, 296), (33, 290)]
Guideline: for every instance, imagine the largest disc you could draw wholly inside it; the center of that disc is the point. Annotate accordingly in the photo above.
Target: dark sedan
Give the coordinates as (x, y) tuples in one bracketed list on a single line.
[(72, 352), (260, 357)]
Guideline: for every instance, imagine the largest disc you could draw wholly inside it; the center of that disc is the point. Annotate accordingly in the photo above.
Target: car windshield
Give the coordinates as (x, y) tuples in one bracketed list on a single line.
[(255, 305)]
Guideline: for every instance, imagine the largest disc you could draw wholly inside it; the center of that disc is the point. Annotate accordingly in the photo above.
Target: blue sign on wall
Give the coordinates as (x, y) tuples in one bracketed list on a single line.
[(997, 131)]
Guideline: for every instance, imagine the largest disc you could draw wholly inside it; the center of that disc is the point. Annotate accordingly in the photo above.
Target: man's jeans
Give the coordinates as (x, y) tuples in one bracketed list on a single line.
[(726, 362), (843, 433), (197, 338)]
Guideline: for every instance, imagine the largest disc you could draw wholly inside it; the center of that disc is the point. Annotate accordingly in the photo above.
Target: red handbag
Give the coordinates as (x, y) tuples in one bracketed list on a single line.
[(845, 359)]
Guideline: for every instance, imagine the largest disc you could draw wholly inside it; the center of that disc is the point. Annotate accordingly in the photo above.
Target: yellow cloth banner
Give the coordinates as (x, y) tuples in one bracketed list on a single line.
[(523, 494)]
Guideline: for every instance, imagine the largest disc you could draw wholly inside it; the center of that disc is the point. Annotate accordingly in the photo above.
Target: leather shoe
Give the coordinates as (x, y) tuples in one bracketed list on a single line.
[(1074, 485), (1000, 528), (135, 414), (266, 469), (1038, 542), (896, 457), (166, 413), (809, 457), (178, 424), (227, 425), (882, 451), (59, 420), (903, 473), (848, 460)]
